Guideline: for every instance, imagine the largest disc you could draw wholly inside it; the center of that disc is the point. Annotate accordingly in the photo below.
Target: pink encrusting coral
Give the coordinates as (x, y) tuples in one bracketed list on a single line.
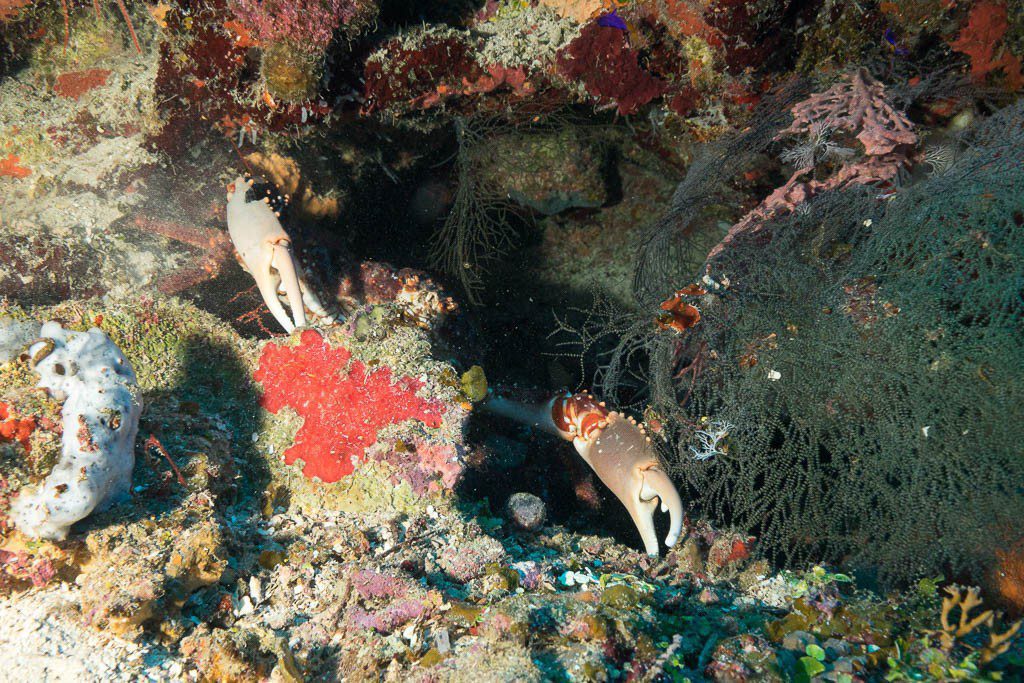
[(388, 601), (343, 403), (306, 24), (426, 467), (20, 568)]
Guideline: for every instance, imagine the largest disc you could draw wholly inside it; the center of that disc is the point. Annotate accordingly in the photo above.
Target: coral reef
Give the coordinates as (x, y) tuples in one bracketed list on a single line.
[(786, 234), (293, 38), (981, 40), (849, 444), (857, 106), (601, 58)]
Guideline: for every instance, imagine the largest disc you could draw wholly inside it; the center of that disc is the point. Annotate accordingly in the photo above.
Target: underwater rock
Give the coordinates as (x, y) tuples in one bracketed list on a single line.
[(706, 551), (230, 656), (526, 511), (14, 335), (548, 172), (466, 560), (100, 415), (128, 584)]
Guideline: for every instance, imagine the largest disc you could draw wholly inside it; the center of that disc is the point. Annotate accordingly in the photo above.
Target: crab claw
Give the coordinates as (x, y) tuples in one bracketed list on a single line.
[(264, 248), (624, 459)]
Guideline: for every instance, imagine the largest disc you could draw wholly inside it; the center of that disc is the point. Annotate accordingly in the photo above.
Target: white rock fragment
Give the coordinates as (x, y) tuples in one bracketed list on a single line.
[(14, 334), (100, 417), (255, 590)]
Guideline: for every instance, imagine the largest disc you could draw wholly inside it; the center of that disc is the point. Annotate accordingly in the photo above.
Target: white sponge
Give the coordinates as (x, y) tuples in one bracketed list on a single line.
[(100, 416)]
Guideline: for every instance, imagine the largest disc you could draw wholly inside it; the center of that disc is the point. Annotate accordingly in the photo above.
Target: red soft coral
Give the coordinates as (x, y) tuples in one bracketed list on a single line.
[(610, 70), (14, 428), (981, 39), (342, 403)]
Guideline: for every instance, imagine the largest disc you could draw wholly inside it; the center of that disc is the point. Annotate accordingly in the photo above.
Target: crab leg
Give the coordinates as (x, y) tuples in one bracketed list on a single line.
[(313, 303), (265, 250), (267, 281), (622, 457)]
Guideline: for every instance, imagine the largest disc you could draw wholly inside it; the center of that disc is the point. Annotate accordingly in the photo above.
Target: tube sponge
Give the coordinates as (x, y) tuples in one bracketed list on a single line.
[(100, 416)]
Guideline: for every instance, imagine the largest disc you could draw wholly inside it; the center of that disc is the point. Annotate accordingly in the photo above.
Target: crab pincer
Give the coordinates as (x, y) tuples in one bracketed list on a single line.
[(265, 251)]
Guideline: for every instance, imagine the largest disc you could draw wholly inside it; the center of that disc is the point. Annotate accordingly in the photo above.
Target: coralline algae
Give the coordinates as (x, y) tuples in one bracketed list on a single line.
[(100, 418)]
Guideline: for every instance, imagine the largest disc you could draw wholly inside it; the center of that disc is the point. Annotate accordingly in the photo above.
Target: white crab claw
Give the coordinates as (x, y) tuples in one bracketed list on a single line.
[(265, 250), (624, 459), (657, 485)]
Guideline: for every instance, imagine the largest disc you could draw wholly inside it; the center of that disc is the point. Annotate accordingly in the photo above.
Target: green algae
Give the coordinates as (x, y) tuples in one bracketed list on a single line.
[(620, 597)]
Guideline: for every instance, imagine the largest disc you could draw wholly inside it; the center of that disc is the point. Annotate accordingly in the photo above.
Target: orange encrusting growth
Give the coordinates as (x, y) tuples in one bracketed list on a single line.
[(9, 167)]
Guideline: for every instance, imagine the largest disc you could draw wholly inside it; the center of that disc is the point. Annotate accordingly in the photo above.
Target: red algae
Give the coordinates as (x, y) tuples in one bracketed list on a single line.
[(609, 68), (74, 84)]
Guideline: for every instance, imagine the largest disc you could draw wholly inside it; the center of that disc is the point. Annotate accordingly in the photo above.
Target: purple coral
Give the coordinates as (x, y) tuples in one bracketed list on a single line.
[(389, 618), (306, 24)]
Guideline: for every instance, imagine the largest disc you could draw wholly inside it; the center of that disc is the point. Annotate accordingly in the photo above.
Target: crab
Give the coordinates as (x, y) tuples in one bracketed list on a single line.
[(264, 250), (619, 451)]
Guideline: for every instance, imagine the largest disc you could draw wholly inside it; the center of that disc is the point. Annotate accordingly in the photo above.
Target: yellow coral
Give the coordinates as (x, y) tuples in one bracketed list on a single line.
[(966, 600), (285, 174)]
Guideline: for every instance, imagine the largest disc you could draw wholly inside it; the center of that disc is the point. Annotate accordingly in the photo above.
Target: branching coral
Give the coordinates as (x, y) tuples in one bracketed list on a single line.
[(966, 600), (856, 106), (710, 440), (855, 342)]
